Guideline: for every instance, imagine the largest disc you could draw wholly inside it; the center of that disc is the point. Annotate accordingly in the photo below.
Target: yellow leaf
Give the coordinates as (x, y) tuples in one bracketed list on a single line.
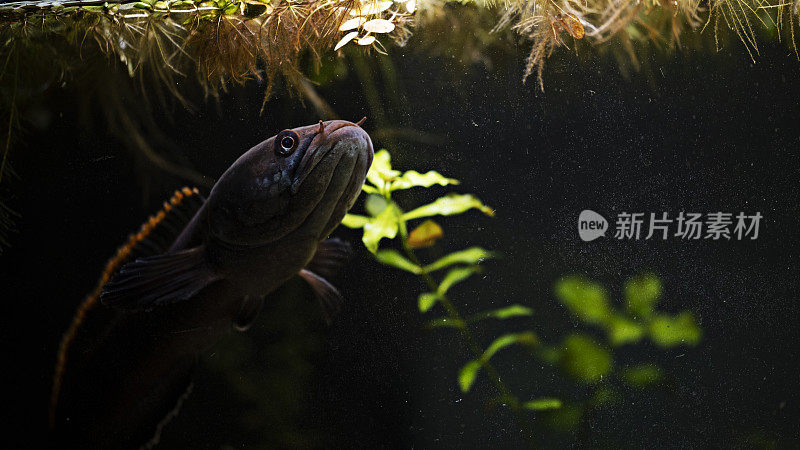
[(425, 235)]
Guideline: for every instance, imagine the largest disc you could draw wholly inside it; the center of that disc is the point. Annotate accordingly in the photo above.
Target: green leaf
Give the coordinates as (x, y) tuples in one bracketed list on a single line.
[(380, 172), (412, 178), (427, 300), (550, 355), (585, 360), (472, 255), (354, 220), (231, 9), (449, 205), (667, 331), (586, 300), (503, 313), (642, 294), (455, 276), (375, 204), (642, 376), (511, 311), (385, 225), (395, 259), (565, 419), (623, 331), (467, 375), (542, 404), (369, 189), (528, 338), (446, 322)]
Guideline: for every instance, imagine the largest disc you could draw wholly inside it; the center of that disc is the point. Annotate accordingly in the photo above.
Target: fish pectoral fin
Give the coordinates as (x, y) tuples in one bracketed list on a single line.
[(329, 297), (331, 255), (248, 312), (159, 280)]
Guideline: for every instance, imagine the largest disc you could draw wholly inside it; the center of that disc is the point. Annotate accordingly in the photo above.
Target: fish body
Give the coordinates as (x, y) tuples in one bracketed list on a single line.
[(126, 362)]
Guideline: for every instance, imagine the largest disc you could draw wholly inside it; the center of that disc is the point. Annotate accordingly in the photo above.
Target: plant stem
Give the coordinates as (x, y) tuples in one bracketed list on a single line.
[(11, 110), (504, 391)]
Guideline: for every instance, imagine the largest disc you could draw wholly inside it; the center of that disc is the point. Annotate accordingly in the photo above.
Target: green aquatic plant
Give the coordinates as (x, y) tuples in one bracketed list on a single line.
[(580, 356), (386, 219), (590, 361)]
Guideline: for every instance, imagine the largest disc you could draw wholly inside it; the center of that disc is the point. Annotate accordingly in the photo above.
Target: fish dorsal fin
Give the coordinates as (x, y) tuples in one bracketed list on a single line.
[(167, 224), (152, 238)]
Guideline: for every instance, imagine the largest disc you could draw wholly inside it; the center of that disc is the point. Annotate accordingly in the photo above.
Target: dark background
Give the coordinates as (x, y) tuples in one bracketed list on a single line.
[(702, 132)]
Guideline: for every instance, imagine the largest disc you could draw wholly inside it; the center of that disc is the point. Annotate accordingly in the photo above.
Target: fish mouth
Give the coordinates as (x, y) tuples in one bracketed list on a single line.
[(322, 144)]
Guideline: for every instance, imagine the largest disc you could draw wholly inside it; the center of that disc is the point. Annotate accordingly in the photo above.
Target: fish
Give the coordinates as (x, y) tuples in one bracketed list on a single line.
[(197, 270)]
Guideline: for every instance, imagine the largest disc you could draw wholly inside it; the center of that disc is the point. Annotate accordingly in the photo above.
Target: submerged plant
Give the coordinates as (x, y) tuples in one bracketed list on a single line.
[(589, 361), (221, 41), (579, 356), (235, 40), (550, 24), (388, 220)]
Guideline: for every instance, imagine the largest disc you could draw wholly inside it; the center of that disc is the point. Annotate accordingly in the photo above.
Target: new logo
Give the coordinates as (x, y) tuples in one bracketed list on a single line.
[(591, 225)]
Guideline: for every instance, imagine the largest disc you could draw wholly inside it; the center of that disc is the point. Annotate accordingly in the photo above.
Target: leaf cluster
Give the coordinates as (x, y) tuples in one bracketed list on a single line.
[(589, 361), (385, 219)]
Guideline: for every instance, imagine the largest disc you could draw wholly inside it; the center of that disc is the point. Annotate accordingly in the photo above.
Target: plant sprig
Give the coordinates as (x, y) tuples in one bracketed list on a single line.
[(387, 220)]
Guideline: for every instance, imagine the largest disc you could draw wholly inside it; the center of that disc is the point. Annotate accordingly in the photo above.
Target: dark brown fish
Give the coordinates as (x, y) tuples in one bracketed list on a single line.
[(197, 270)]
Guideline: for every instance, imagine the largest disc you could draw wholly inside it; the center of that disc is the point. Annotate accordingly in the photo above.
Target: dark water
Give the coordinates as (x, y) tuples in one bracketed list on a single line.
[(705, 132)]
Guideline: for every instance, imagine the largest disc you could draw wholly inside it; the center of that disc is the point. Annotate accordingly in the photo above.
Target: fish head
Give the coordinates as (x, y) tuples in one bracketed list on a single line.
[(301, 181)]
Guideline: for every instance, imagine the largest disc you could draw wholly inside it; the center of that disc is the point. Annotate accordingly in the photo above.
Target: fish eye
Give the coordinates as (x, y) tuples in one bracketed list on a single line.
[(286, 142)]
